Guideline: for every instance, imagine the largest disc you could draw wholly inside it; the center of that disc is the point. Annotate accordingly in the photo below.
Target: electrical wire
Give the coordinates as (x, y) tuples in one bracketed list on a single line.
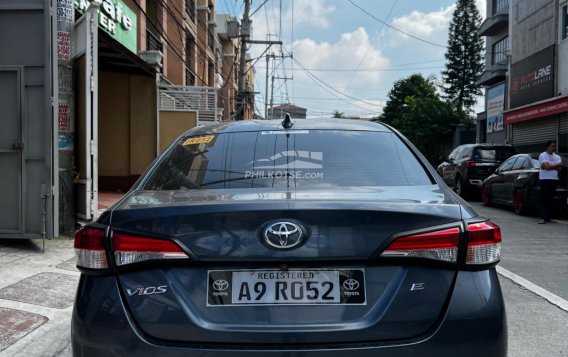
[(394, 28), (372, 41)]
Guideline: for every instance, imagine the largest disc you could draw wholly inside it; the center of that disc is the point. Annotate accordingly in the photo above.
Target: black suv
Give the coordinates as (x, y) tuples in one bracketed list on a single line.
[(468, 165)]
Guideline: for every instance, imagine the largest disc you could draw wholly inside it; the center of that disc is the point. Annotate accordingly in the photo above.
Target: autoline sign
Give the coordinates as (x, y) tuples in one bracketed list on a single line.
[(116, 19)]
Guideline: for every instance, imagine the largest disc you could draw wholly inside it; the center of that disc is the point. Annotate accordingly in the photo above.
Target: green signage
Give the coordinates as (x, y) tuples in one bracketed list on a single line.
[(116, 19)]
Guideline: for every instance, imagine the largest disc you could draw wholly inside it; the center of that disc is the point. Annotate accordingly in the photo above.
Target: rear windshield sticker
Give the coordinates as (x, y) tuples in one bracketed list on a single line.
[(283, 132), (200, 140)]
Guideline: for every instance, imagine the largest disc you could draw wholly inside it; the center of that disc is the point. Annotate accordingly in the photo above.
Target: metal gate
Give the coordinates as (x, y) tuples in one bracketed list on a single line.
[(28, 183), (535, 131), (11, 147), (200, 102)]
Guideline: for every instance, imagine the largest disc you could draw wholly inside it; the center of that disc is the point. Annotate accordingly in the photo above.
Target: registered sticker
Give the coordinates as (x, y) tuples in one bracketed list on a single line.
[(198, 140)]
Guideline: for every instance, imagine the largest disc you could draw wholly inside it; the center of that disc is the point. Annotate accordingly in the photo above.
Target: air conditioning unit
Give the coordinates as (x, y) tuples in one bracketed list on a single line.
[(153, 58)]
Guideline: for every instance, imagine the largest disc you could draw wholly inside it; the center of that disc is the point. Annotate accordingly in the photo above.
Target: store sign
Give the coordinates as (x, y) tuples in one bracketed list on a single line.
[(538, 111), (495, 106), (532, 79), (116, 19)]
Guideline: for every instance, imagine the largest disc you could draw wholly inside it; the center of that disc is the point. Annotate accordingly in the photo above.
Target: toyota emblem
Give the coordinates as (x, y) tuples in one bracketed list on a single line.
[(351, 284), (283, 235), (220, 285)]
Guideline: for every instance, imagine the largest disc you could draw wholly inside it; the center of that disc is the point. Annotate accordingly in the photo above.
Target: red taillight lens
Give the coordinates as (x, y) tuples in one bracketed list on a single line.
[(472, 164), (438, 245), (130, 249), (484, 243), (90, 248)]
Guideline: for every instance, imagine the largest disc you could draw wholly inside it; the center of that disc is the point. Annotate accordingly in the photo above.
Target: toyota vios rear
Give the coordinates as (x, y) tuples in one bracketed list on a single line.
[(320, 239)]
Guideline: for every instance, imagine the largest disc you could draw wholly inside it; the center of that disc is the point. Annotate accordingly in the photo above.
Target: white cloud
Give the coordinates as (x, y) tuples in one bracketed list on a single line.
[(346, 54), (314, 13), (433, 25)]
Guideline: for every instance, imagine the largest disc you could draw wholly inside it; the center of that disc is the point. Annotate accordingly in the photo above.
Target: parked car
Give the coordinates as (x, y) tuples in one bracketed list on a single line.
[(468, 165), (515, 183), (261, 238)]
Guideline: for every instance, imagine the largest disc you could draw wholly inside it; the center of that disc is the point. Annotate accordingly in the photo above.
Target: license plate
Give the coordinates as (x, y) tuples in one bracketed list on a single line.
[(292, 287)]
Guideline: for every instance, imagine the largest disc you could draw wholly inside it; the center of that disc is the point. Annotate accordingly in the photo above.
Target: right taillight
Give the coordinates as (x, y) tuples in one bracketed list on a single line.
[(483, 243), (438, 245), (90, 248)]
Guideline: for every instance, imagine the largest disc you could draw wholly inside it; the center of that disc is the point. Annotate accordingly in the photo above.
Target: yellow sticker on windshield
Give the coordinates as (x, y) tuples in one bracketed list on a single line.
[(199, 140)]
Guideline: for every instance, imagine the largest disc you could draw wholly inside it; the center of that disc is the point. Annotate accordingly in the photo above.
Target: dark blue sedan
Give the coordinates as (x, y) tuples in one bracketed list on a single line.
[(305, 238)]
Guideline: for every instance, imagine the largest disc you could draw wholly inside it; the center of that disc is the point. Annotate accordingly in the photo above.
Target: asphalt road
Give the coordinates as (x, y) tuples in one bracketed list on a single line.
[(539, 254)]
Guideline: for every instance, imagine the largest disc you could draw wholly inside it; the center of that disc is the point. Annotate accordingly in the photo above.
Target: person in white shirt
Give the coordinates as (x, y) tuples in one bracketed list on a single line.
[(550, 166)]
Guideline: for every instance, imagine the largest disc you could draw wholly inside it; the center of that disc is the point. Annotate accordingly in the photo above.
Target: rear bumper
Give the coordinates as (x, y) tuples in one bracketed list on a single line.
[(474, 324)]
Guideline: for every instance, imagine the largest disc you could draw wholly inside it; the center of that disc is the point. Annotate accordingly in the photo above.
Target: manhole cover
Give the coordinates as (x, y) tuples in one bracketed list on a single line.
[(45, 289), (15, 324)]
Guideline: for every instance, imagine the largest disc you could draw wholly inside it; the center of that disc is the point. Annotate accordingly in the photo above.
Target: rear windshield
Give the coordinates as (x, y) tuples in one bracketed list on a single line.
[(497, 154), (303, 159)]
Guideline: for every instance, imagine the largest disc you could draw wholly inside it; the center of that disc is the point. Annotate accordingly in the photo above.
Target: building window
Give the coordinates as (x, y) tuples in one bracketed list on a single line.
[(500, 5), (500, 49), (190, 9), (564, 22), (189, 60)]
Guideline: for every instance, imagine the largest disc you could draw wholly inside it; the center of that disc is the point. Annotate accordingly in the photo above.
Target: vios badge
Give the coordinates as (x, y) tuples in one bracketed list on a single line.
[(284, 235)]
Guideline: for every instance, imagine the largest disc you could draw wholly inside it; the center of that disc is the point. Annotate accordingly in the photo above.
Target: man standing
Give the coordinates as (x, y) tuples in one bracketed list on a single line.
[(550, 165)]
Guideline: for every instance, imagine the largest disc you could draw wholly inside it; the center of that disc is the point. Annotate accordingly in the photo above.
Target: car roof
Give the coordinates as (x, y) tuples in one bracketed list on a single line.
[(299, 124)]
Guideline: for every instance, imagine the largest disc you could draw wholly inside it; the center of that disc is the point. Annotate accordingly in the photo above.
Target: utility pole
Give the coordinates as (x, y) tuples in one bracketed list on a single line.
[(245, 34), (272, 95)]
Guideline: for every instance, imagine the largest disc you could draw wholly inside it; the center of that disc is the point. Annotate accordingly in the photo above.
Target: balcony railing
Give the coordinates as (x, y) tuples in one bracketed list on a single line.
[(186, 98)]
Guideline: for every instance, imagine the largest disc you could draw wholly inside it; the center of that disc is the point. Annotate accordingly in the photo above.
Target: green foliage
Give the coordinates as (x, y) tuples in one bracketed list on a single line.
[(417, 111), (464, 57), (337, 114)]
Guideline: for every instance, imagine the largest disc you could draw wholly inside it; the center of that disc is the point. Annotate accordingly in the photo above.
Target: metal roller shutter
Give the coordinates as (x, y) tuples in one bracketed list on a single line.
[(535, 131), (563, 124)]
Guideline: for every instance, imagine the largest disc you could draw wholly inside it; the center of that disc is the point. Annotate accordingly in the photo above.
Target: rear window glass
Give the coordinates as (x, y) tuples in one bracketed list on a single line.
[(498, 154), (303, 159)]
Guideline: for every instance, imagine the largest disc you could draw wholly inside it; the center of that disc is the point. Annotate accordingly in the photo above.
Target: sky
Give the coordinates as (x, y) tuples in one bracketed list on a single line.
[(344, 59)]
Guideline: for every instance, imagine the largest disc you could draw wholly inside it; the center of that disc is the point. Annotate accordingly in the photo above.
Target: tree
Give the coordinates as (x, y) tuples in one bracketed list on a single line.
[(415, 86), (415, 109), (338, 114), (464, 57)]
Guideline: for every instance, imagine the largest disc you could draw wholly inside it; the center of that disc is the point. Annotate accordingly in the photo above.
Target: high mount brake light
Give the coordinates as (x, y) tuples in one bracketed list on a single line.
[(484, 243), (130, 249), (439, 245), (483, 246), (90, 249)]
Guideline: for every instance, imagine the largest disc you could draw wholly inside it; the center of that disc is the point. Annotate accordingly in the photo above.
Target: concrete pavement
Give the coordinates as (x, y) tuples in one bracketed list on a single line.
[(36, 297)]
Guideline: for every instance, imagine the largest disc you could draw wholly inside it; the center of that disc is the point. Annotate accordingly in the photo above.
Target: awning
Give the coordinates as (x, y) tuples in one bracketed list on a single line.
[(116, 58), (537, 110)]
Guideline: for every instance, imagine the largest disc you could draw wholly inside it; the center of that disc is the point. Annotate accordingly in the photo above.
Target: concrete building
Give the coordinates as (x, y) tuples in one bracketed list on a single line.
[(526, 76), (99, 103), (280, 111)]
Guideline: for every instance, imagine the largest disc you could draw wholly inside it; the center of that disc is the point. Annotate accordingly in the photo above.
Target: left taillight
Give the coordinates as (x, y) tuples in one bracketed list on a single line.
[(90, 248), (130, 249)]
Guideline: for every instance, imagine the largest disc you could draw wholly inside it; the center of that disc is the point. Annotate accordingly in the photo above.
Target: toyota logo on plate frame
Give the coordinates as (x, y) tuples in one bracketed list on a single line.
[(284, 235), (220, 285)]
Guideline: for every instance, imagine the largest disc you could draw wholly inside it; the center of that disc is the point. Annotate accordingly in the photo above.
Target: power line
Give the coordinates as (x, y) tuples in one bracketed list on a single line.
[(315, 78), (367, 69), (396, 29), (372, 41)]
